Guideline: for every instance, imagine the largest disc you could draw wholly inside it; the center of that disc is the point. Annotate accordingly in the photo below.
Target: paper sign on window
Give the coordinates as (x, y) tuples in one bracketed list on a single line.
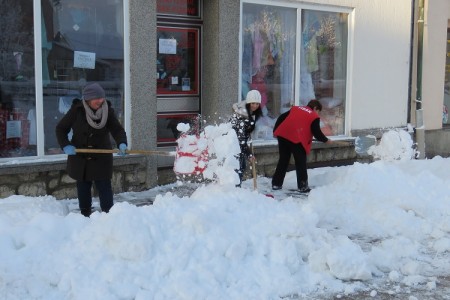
[(13, 129), (167, 46), (84, 60), (186, 84)]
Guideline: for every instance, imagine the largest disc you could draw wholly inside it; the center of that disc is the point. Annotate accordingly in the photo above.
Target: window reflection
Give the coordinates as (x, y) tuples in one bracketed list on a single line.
[(323, 66), (177, 63), (17, 89), (82, 42)]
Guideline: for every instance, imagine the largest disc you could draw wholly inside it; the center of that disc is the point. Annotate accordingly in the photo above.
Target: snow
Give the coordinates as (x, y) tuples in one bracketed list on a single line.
[(375, 228)]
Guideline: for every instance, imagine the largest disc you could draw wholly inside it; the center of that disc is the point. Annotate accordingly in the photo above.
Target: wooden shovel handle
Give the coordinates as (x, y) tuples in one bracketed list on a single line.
[(146, 152), (255, 185)]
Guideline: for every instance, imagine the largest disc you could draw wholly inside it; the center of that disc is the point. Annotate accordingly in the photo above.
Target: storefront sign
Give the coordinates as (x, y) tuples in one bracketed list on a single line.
[(83, 60), (188, 8)]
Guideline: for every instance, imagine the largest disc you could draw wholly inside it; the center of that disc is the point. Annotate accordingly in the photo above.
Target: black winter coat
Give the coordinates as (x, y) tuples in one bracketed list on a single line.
[(89, 166), (244, 125)]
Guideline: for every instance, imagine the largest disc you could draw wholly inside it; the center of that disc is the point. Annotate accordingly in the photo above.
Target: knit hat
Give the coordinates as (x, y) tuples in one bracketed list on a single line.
[(93, 91), (253, 96)]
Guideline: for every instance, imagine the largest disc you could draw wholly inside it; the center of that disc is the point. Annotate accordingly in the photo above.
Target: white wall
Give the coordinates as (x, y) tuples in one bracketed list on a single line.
[(379, 62), (437, 14)]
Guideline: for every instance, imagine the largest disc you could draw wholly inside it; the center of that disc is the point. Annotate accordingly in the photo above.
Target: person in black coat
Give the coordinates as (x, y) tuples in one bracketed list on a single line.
[(243, 121), (92, 121)]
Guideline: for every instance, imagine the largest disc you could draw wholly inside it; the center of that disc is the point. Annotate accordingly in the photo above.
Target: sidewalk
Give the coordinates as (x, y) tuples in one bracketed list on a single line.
[(140, 198)]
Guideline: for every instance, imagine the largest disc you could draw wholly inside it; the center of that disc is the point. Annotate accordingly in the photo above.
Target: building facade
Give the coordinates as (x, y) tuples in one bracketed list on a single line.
[(374, 65)]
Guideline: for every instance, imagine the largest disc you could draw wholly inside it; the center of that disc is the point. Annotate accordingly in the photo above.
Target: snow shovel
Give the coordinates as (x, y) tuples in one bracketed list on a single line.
[(146, 152)]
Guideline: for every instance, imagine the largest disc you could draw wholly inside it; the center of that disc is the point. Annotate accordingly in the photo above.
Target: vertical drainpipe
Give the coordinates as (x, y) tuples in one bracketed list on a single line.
[(420, 127)]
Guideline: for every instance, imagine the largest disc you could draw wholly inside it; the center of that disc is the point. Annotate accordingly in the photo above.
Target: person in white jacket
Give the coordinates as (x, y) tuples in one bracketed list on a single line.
[(243, 120)]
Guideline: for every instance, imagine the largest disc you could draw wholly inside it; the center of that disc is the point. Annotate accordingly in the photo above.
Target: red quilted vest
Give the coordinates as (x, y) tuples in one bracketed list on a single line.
[(296, 128)]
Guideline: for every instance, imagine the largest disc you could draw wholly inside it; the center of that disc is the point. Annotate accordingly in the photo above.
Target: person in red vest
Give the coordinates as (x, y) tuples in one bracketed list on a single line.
[(294, 131)]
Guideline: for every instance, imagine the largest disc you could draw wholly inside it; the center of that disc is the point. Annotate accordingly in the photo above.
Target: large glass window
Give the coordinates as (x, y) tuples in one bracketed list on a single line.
[(82, 41), (17, 87), (270, 56), (323, 66), (268, 60)]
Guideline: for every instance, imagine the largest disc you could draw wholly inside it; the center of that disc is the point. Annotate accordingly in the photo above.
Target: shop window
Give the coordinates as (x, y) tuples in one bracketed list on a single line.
[(323, 66), (17, 87), (268, 60), (269, 63), (82, 42), (177, 62)]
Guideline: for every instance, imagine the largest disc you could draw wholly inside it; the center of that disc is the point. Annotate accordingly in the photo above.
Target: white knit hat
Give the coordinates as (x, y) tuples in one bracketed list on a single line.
[(253, 96)]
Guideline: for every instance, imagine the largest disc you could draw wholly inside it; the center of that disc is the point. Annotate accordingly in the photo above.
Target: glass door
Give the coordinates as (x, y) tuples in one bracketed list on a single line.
[(178, 79)]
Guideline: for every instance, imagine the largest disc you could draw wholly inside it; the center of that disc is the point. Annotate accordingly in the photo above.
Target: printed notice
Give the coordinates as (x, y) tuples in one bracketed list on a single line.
[(185, 84), (167, 46), (84, 60), (13, 129)]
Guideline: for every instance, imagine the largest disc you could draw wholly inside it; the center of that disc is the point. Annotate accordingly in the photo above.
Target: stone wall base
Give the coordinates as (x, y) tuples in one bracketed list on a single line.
[(50, 178), (267, 157)]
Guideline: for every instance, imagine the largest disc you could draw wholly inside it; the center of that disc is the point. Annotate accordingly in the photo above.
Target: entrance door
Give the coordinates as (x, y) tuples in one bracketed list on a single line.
[(178, 70)]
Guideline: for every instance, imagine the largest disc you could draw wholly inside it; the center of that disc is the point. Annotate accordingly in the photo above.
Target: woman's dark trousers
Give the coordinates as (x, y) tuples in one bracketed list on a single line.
[(105, 195), (242, 166), (285, 149)]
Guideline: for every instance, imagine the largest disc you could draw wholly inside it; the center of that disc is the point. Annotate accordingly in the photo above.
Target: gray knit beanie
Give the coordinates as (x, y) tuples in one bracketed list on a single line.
[(93, 91)]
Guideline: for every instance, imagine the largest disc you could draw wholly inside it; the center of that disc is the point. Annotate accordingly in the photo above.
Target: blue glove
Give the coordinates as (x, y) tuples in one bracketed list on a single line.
[(69, 150), (122, 149)]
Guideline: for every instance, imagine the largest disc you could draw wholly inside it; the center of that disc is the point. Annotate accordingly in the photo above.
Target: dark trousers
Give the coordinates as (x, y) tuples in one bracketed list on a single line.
[(105, 195), (285, 149), (242, 166)]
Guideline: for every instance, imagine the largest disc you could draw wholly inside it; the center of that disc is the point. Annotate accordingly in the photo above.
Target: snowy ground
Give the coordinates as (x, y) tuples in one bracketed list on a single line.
[(366, 231)]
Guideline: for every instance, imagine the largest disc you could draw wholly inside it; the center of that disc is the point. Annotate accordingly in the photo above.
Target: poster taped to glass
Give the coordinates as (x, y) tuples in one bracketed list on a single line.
[(185, 84), (168, 46), (83, 60)]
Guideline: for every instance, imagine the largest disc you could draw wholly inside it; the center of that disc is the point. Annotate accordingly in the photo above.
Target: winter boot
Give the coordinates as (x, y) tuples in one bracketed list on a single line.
[(86, 211), (304, 188)]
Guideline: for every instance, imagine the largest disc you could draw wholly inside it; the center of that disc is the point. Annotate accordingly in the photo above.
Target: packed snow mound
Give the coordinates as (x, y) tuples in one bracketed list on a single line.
[(209, 155), (394, 145)]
